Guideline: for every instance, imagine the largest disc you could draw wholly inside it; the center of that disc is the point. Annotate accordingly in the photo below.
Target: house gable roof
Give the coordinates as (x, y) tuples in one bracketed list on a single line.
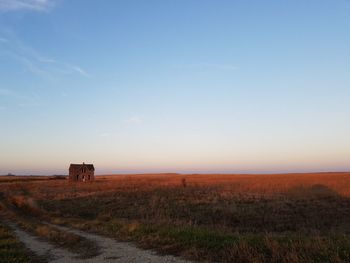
[(77, 167)]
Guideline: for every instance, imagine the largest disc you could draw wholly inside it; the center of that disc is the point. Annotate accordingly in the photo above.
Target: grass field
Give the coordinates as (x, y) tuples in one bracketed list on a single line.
[(225, 218), (10, 249)]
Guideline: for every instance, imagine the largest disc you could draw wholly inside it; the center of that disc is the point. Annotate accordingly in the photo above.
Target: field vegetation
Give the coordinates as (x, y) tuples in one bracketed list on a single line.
[(213, 218), (10, 249)]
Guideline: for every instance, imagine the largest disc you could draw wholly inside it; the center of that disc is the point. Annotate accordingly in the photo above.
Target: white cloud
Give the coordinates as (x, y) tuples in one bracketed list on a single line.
[(134, 120), (34, 62), (47, 60), (104, 134), (22, 100), (5, 92), (80, 71), (30, 65), (33, 5), (28, 105), (3, 40), (210, 66)]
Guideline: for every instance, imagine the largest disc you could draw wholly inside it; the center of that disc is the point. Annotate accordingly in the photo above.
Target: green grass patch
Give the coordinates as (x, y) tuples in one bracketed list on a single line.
[(206, 244)]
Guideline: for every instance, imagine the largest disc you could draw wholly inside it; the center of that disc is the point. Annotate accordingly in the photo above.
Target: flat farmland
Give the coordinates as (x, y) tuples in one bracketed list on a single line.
[(206, 218)]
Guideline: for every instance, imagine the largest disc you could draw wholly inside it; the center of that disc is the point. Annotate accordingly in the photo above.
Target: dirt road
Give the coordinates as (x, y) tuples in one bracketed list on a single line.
[(111, 250)]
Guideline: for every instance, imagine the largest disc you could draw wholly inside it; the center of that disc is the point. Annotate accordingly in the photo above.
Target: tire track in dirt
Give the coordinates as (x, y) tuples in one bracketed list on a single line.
[(111, 250), (44, 250)]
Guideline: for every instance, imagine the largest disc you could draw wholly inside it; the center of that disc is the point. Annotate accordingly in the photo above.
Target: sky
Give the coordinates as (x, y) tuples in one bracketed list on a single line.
[(239, 86)]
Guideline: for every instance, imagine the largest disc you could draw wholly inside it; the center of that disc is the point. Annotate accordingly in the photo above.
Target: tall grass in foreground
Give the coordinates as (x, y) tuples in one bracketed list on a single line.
[(10, 248), (24, 212)]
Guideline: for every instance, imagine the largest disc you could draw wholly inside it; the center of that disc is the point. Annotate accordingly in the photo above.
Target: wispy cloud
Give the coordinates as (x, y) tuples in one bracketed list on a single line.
[(5, 92), (31, 5), (134, 120), (30, 65), (3, 40), (80, 70), (209, 66), (35, 63), (104, 134), (21, 100)]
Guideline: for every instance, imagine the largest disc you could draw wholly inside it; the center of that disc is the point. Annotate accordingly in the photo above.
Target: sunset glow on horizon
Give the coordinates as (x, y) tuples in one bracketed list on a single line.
[(175, 86)]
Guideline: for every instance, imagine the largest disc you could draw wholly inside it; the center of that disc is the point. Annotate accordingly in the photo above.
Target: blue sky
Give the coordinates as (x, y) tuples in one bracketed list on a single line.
[(182, 86)]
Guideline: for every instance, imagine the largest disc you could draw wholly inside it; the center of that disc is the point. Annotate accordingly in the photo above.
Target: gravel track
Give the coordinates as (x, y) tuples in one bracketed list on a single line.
[(111, 250)]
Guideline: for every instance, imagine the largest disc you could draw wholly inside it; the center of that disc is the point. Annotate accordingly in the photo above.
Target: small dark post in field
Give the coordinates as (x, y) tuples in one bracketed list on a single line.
[(183, 181)]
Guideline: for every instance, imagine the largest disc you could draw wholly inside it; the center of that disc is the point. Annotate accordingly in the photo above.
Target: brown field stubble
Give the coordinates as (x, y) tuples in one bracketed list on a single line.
[(242, 218)]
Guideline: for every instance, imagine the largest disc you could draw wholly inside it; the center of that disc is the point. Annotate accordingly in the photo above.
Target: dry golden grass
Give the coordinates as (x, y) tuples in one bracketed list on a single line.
[(247, 218), (261, 184), (26, 214)]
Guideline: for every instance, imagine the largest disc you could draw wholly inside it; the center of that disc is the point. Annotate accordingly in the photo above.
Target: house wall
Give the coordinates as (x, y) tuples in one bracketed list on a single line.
[(71, 176), (78, 176)]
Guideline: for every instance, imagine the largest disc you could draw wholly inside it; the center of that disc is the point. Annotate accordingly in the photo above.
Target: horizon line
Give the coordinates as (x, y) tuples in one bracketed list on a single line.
[(191, 173)]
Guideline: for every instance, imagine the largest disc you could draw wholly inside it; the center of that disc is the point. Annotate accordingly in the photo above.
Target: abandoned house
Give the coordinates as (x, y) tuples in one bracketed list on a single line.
[(81, 172)]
